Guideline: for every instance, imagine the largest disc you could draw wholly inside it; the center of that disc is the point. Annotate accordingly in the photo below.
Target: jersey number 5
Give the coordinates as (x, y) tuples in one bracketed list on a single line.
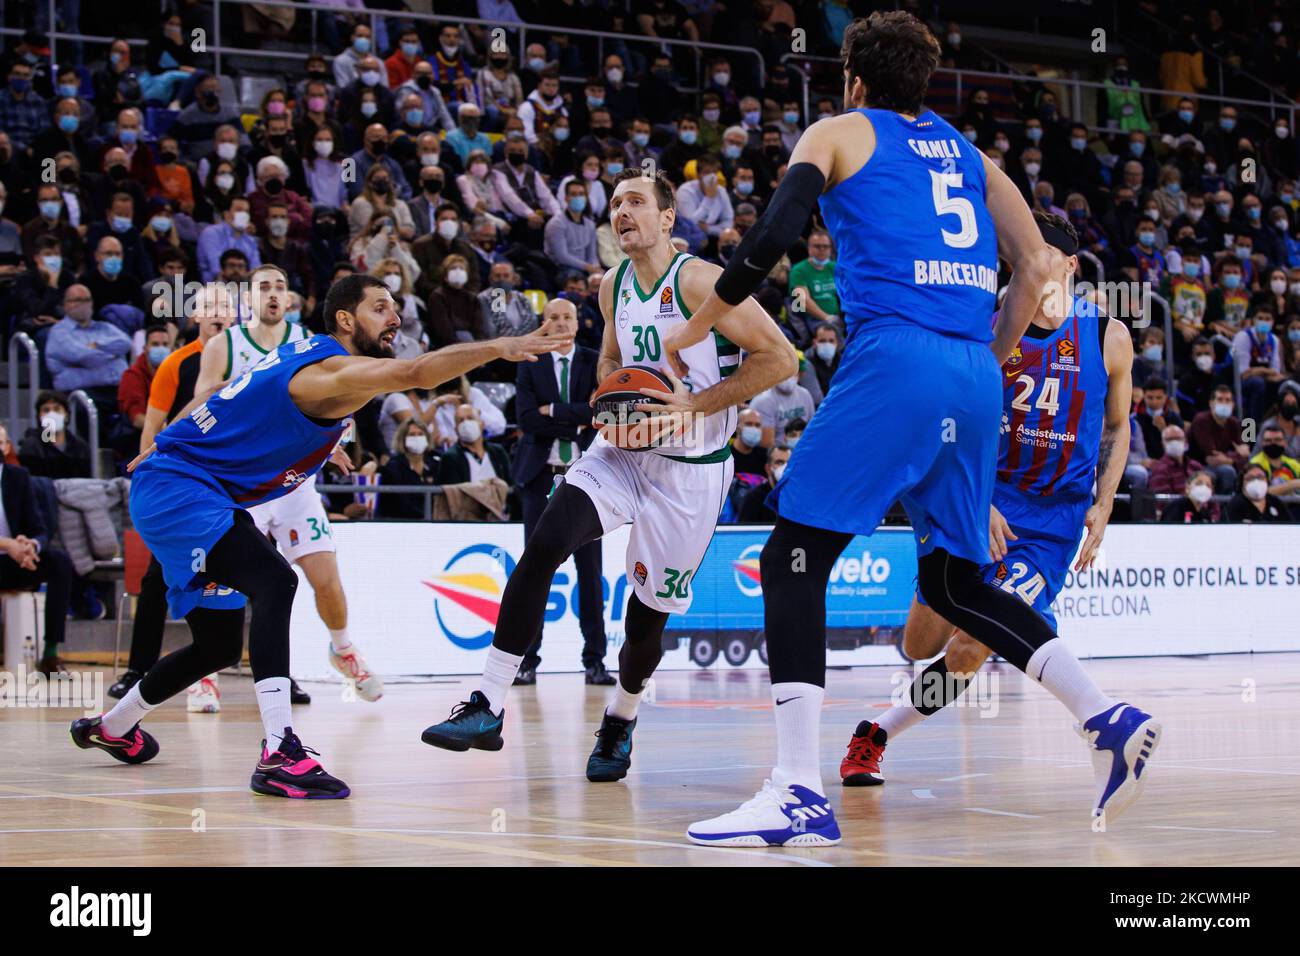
[(954, 205)]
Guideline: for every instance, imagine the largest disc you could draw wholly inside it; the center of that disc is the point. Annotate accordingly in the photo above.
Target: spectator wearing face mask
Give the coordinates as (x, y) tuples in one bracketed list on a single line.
[(1216, 440), (703, 201), (431, 251), (1281, 469), (1170, 471), (48, 449), (454, 314), (1197, 385), (747, 452), (1144, 261), (278, 247), (1149, 358), (106, 278), (1257, 354), (467, 138), (1185, 291), (198, 122), (1252, 504), (348, 63), (570, 238), (812, 280), (119, 222), (369, 86), (472, 458), (1287, 416), (234, 231), (1195, 506), (84, 353), (272, 178), (1156, 415), (379, 197), (375, 153), (133, 389), (1228, 301), (782, 403), (753, 506), (681, 151), (411, 463), (505, 310), (824, 356)]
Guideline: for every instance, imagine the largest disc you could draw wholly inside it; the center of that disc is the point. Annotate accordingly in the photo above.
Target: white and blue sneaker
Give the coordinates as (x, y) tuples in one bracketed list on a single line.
[(1122, 739), (777, 816)]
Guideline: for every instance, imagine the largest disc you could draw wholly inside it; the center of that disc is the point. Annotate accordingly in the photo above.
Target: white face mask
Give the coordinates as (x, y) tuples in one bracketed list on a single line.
[(777, 472), (227, 151), (457, 278), (324, 148), (239, 220), (1278, 286), (1200, 493), (428, 159), (54, 421), (825, 350), (1033, 168), (1204, 362), (469, 431), (448, 228), (417, 444), (1222, 409), (786, 387), (1175, 449), (751, 435), (1256, 489), (394, 282), (225, 181)]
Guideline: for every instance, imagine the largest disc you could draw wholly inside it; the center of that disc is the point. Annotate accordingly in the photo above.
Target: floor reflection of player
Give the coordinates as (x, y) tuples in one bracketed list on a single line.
[(188, 500)]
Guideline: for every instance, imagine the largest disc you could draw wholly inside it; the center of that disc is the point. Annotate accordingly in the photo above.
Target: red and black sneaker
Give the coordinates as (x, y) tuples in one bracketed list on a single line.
[(861, 766), (136, 747), (291, 771)]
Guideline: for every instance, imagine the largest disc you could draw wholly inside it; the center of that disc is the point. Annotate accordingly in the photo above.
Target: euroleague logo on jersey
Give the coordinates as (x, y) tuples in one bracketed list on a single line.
[(1066, 356), (666, 299)]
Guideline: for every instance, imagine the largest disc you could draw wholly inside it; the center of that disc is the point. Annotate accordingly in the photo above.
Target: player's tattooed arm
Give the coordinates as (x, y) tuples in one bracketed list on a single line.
[(1113, 454), (769, 358)]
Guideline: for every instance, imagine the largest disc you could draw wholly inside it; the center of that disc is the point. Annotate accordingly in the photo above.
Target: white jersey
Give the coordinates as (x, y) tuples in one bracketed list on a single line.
[(641, 319), (243, 353)]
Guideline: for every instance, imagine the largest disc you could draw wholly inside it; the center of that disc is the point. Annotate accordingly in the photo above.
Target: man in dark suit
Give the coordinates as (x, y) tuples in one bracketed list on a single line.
[(552, 406), (26, 560)]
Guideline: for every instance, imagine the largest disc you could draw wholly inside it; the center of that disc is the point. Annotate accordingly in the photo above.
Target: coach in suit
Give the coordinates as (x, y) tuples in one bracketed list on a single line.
[(26, 559), (552, 406)]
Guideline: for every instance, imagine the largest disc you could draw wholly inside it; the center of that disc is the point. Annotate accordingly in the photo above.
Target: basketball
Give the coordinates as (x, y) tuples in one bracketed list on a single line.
[(616, 400)]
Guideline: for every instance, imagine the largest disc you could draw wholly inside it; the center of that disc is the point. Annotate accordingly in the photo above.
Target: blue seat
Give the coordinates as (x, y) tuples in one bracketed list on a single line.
[(158, 120)]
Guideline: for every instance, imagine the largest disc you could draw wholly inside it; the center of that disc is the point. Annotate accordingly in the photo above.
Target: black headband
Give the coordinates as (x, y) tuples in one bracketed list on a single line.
[(1059, 238)]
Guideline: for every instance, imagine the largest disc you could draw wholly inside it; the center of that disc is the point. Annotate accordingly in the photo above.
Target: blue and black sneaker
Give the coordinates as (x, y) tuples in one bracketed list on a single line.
[(1122, 740), (471, 724), (612, 756), (778, 815)]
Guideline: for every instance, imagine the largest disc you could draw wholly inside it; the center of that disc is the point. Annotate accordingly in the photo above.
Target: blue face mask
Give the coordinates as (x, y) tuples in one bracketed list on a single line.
[(744, 187), (731, 151), (361, 44), (537, 64), (1263, 328), (1253, 213), (970, 134), (115, 59), (412, 50), (69, 124), (112, 265), (1146, 238), (50, 208), (1152, 353), (120, 223), (157, 353), (1034, 134), (1293, 335), (1191, 269), (414, 117), (1231, 281), (129, 137), (595, 102), (819, 263), (1227, 124), (561, 133), (293, 316), (1185, 115), (1078, 143), (53, 263), (577, 203), (1173, 188), (161, 224), (613, 168), (1137, 148), (68, 89), (751, 435), (641, 140), (687, 136), (790, 117)]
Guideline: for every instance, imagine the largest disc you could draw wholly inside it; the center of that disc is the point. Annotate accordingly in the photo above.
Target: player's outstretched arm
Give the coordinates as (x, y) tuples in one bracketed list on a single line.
[(1020, 244), (1113, 454), (339, 386), (811, 167)]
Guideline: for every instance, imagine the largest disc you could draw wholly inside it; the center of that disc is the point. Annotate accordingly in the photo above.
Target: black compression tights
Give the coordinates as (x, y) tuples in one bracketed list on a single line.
[(569, 521), (642, 645), (244, 560)]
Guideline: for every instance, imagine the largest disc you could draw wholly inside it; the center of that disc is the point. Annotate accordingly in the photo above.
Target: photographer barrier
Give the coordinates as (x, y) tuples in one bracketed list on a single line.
[(424, 598)]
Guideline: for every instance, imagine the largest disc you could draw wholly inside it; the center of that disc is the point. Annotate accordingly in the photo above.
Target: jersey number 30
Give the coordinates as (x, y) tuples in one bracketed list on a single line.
[(956, 206)]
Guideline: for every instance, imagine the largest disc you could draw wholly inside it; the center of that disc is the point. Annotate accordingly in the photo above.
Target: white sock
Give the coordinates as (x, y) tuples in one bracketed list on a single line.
[(624, 704), (498, 674), (126, 713), (1055, 667), (273, 701), (899, 718), (798, 734), (339, 640)]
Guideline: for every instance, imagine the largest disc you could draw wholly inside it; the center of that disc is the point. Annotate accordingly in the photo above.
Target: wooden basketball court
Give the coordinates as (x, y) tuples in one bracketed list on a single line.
[(1012, 788)]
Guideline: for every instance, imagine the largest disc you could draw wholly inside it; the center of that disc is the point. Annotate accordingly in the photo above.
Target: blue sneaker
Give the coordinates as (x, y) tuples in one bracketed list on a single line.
[(471, 724), (1122, 739), (612, 757), (777, 816)]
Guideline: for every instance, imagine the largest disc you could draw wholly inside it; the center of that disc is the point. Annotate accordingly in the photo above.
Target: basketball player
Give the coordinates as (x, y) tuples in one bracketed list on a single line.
[(672, 495), (1066, 392), (188, 498), (919, 217), (297, 521)]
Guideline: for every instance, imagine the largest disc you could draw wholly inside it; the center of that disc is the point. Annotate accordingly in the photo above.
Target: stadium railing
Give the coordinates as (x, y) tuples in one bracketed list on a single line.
[(1168, 326), (79, 399), (217, 49), (18, 421)]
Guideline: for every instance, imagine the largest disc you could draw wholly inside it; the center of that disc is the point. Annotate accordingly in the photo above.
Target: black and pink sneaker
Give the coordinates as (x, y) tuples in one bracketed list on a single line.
[(290, 771), (136, 747)]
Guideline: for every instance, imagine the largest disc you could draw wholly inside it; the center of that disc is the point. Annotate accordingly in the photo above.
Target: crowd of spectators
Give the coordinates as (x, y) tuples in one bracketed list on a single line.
[(476, 186)]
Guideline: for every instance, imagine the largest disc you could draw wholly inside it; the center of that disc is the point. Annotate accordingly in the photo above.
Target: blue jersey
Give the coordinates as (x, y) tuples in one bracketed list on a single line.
[(250, 438), (1053, 406), (913, 233)]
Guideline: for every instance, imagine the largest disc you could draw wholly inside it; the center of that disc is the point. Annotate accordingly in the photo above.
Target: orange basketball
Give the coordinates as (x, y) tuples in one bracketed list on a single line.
[(615, 403)]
